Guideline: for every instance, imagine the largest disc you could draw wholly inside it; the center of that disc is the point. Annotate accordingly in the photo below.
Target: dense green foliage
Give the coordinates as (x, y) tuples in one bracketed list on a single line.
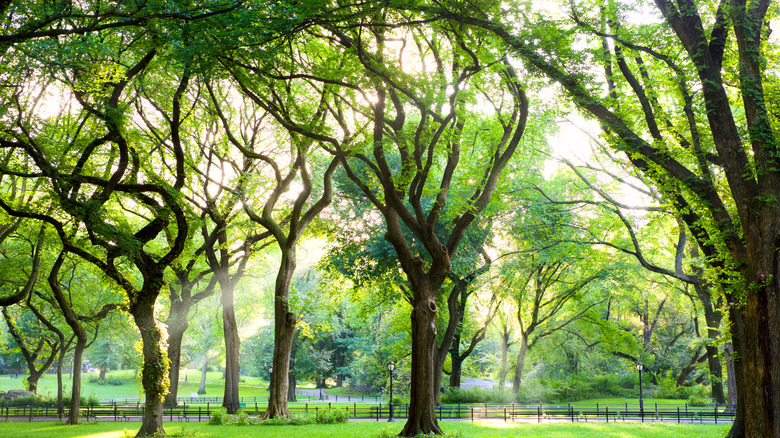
[(539, 193)]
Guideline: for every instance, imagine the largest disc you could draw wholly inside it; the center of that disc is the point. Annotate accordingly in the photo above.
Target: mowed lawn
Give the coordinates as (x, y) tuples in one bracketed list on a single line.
[(130, 389), (461, 429)]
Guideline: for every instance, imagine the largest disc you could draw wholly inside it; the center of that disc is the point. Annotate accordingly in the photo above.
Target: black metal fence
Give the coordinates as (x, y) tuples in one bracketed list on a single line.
[(117, 411)]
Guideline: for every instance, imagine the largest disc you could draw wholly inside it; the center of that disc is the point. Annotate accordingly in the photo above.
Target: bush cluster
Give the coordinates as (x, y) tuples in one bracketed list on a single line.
[(241, 418), (695, 395), (114, 381), (332, 416), (573, 388)]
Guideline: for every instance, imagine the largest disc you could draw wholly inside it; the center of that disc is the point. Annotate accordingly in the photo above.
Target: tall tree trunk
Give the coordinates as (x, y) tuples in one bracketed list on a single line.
[(174, 354), (291, 384), (457, 362), (728, 353), (422, 413), (456, 305), (155, 366), (713, 318), (738, 427), (75, 392), (177, 326), (520, 363), (506, 333), (716, 373), (284, 335), (231, 400), (203, 371), (761, 359), (60, 360)]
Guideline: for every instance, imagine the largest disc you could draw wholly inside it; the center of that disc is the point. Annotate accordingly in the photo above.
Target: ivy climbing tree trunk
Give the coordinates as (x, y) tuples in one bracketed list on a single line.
[(154, 375)]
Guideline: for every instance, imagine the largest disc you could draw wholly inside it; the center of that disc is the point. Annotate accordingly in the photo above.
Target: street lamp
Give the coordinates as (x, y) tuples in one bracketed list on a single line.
[(270, 375), (391, 367), (639, 367)]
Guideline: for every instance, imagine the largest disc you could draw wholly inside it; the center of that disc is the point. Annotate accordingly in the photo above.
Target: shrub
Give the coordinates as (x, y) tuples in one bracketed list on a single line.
[(114, 381), (219, 416), (241, 419), (332, 416), (294, 420)]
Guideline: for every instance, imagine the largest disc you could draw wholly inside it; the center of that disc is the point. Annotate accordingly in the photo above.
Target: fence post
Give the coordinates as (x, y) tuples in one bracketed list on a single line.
[(607, 412), (678, 415), (354, 406), (571, 412), (504, 415), (30, 412), (472, 414), (115, 412), (539, 413), (716, 413)]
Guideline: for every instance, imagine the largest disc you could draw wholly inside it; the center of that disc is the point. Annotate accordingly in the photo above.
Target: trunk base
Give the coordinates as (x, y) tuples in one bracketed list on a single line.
[(415, 427)]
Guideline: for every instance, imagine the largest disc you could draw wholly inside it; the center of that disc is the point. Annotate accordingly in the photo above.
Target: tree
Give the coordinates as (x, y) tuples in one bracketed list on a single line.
[(93, 188), (722, 183), (284, 219), (542, 294), (37, 343), (411, 162), (77, 324)]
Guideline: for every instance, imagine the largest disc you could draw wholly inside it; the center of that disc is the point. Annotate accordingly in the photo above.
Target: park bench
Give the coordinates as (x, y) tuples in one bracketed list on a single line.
[(560, 411)]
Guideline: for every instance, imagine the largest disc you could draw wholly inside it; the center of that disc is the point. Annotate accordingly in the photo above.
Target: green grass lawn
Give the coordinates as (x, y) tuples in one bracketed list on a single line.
[(369, 429), (47, 385)]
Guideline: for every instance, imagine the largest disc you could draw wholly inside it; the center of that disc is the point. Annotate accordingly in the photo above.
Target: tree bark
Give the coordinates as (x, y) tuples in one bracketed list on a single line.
[(75, 392), (154, 375), (203, 371), (457, 363), (728, 353), (177, 325), (422, 412), (506, 334), (284, 335), (231, 400), (713, 318), (455, 308), (761, 358), (520, 363)]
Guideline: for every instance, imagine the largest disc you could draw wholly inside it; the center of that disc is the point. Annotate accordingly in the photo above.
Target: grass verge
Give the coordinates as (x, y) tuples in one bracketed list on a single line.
[(365, 429)]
